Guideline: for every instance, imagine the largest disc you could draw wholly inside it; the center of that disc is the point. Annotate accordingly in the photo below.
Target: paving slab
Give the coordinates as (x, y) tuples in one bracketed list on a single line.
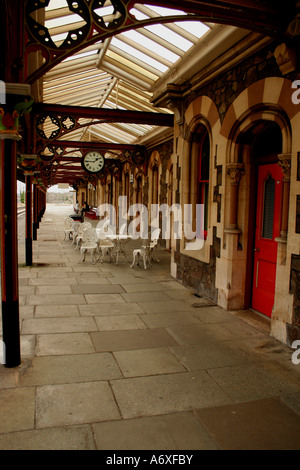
[(211, 355), (59, 299), (119, 322), (51, 281), (97, 289), (131, 339), (85, 274), (42, 274), (178, 431), (110, 309), (177, 294), (188, 334), (145, 296), (103, 298), (7, 377), (26, 290), (148, 362), (213, 314), (77, 403), (48, 290), (88, 267), (255, 381), (69, 369), (163, 394), (92, 280), (26, 311), (63, 438), (168, 319), (53, 325), (56, 311), (27, 343), (17, 407), (250, 426), (64, 343), (143, 287), (127, 279), (293, 401), (166, 306)]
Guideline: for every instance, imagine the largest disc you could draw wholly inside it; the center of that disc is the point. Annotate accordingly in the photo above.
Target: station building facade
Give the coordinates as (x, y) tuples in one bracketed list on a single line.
[(235, 149)]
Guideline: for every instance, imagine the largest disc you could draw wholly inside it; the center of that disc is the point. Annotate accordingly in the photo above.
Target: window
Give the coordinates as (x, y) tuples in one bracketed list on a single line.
[(155, 184), (139, 190), (268, 214), (203, 181)]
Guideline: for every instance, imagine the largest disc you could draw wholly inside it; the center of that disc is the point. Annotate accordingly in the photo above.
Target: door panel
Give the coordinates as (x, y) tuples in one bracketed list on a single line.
[(267, 228)]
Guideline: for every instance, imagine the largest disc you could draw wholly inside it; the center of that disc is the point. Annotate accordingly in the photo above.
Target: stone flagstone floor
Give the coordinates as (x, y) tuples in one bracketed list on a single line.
[(120, 358)]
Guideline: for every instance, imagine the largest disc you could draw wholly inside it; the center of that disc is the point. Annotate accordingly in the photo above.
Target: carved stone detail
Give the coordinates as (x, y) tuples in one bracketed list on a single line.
[(285, 164), (235, 171), (285, 58)]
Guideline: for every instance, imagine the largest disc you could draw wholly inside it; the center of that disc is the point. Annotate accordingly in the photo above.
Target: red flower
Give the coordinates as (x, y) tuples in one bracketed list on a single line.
[(8, 121)]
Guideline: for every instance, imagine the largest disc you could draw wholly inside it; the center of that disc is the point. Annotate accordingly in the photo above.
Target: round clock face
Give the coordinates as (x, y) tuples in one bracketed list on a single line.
[(93, 162)]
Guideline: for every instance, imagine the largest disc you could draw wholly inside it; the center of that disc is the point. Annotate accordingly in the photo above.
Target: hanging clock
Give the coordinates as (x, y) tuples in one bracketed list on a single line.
[(93, 162)]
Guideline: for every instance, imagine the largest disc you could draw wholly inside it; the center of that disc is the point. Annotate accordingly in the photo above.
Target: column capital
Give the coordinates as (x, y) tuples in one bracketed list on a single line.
[(235, 171), (15, 100), (172, 97), (284, 161)]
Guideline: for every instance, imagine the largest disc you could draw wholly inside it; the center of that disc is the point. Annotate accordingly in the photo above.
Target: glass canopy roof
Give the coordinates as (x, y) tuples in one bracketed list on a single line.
[(119, 72)]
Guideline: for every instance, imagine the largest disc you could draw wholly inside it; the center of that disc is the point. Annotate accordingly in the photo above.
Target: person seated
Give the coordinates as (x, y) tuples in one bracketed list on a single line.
[(85, 208), (76, 208)]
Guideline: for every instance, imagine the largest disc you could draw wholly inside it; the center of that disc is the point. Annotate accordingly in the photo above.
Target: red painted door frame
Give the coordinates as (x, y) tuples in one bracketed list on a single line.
[(268, 210)]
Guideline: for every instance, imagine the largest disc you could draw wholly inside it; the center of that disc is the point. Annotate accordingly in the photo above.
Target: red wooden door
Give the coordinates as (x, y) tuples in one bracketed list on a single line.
[(268, 212)]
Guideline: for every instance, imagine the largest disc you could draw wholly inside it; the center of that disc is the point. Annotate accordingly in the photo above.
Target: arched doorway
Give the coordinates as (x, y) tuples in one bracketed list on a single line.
[(265, 207)]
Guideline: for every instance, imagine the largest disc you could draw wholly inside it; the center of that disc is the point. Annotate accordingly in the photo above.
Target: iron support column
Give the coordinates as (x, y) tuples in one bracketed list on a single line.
[(9, 253), (28, 238)]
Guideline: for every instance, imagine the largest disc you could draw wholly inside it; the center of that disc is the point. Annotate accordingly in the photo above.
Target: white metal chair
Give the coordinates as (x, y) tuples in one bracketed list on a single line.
[(146, 251), (82, 227), (141, 253), (105, 246), (76, 226), (89, 244), (68, 228), (122, 229), (153, 244)]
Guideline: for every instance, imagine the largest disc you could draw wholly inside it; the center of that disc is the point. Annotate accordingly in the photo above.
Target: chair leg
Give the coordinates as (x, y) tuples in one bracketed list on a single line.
[(153, 255), (134, 256), (82, 256), (144, 259)]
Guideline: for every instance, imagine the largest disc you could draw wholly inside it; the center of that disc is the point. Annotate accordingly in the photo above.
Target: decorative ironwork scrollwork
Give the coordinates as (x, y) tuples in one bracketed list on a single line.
[(41, 33), (138, 158), (114, 168), (114, 19), (40, 123), (48, 153), (61, 124)]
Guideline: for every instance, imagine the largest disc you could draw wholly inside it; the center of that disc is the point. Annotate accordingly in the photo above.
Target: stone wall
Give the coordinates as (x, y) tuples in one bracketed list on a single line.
[(198, 275), (226, 88)]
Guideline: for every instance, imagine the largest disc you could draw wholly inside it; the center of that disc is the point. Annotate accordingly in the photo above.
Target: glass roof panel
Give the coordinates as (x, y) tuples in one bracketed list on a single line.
[(119, 72), (138, 38), (134, 52)]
